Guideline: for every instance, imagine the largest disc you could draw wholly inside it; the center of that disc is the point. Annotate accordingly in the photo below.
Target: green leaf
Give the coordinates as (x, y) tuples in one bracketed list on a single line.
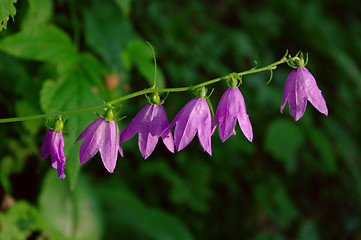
[(47, 43), (128, 215), (283, 140), (24, 108), (139, 53), (268, 236), (7, 9), (325, 150), (19, 221), (69, 214), (124, 6), (72, 91), (273, 198), (107, 33), (38, 13), (308, 231)]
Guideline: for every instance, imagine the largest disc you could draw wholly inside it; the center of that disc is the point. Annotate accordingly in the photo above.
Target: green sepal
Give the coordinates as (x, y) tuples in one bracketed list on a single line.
[(298, 60), (59, 124), (154, 98), (234, 80)]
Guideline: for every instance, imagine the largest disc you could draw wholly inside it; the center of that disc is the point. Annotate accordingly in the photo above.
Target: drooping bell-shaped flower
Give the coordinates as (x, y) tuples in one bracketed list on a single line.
[(301, 86), (53, 145), (231, 108), (150, 122), (101, 135), (195, 117)]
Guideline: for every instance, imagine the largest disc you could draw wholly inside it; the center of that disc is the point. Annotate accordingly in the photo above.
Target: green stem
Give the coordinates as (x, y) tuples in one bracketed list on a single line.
[(142, 92), (155, 66)]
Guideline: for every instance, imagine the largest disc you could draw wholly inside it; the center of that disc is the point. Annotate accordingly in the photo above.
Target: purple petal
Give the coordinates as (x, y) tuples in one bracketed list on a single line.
[(301, 86), (231, 108), (242, 116), (313, 92), (93, 138), (134, 127), (195, 116), (289, 89), (45, 147), (205, 126), (118, 142), (58, 144), (109, 146), (186, 127), (91, 128), (226, 114), (163, 124), (149, 130), (53, 145), (149, 123)]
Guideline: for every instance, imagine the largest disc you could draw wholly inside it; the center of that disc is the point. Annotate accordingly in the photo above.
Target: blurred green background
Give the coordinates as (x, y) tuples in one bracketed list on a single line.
[(297, 180)]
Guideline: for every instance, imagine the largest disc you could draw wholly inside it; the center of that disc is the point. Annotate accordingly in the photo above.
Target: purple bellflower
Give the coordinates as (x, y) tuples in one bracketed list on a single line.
[(150, 122), (53, 145), (301, 86), (231, 108), (101, 135), (194, 117)]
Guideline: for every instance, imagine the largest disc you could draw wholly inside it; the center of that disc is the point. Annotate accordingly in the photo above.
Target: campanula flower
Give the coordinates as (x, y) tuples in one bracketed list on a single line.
[(150, 123), (301, 86), (231, 108), (53, 145), (101, 135), (194, 117)]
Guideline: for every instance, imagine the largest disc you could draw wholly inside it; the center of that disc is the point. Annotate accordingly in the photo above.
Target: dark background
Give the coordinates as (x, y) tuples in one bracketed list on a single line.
[(296, 180)]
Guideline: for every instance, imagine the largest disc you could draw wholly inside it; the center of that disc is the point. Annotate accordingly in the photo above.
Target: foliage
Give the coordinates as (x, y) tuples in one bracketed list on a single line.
[(7, 9), (296, 180)]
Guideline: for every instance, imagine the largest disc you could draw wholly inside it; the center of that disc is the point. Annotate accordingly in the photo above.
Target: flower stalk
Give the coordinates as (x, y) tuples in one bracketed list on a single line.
[(153, 90)]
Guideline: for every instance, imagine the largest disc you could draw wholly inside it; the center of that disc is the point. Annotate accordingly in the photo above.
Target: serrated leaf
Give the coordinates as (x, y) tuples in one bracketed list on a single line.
[(69, 213), (7, 9), (48, 43)]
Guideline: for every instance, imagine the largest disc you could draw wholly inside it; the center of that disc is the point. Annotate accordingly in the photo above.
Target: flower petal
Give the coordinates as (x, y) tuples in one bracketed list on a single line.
[(89, 131), (186, 127), (162, 123), (313, 92), (108, 148), (205, 125), (93, 139), (289, 89), (133, 127), (45, 147)]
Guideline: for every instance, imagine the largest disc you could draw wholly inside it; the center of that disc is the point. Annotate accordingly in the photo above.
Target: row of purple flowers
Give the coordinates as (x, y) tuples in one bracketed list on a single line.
[(151, 123)]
